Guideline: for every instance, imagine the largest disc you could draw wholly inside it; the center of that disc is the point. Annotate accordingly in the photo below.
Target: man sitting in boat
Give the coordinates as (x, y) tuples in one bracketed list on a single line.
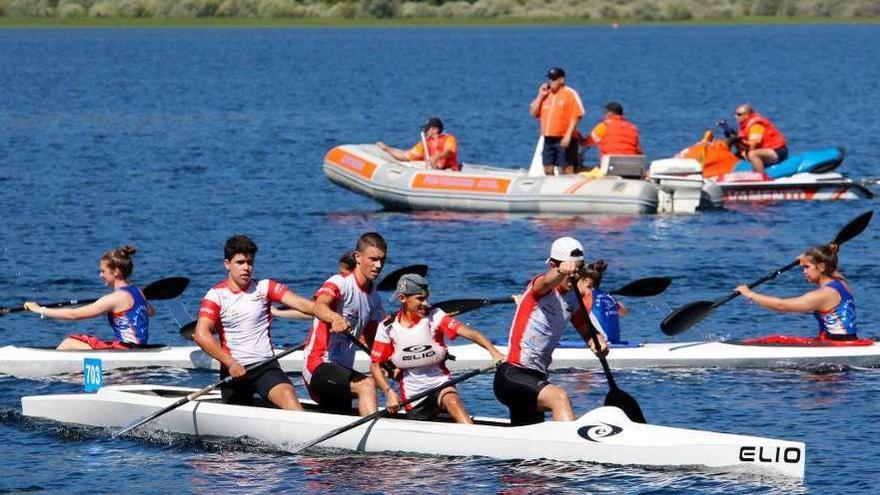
[(832, 303), (442, 149), (347, 307), (127, 310), (547, 305), (413, 340), (760, 142), (615, 135), (238, 310), (605, 310), (559, 109)]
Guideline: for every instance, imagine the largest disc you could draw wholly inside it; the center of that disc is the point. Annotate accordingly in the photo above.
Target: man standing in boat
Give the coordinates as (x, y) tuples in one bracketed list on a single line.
[(442, 149), (238, 310), (546, 307), (614, 135), (413, 340), (559, 109), (347, 308), (760, 142)]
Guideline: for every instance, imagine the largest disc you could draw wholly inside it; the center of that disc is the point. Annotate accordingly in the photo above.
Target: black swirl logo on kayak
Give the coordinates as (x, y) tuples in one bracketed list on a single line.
[(595, 433)]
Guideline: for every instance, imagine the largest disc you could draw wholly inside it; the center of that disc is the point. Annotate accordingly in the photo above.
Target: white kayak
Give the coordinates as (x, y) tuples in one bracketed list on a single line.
[(604, 435), (36, 362)]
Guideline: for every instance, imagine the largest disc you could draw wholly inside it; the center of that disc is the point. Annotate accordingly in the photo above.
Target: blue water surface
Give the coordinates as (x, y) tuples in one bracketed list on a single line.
[(172, 140)]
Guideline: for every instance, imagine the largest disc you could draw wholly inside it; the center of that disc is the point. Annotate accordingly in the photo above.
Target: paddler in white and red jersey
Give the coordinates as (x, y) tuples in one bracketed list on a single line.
[(413, 340), (345, 304), (546, 307), (238, 309)]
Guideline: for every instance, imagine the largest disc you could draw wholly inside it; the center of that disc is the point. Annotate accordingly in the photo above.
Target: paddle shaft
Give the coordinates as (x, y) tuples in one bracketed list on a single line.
[(166, 288), (201, 392), (383, 412), (767, 278)]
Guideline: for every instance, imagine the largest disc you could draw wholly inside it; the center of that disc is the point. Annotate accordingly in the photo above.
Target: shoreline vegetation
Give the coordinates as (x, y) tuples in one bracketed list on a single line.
[(321, 13)]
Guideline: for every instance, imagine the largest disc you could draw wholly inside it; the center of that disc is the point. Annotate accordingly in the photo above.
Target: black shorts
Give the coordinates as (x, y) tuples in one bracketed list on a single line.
[(554, 154), (429, 408), (782, 153), (259, 381), (518, 389), (330, 386)]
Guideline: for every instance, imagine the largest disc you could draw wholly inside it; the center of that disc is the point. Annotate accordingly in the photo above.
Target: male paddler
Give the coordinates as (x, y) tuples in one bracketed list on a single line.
[(345, 304), (413, 340), (238, 310), (546, 307)]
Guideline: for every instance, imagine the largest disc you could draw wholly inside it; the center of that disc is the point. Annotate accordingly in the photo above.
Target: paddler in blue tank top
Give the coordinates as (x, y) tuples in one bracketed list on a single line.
[(605, 310), (127, 310), (832, 303)]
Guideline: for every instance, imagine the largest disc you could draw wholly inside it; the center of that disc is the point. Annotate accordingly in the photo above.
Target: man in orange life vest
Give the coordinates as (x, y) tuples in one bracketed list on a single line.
[(759, 140), (614, 135), (559, 109), (442, 148)]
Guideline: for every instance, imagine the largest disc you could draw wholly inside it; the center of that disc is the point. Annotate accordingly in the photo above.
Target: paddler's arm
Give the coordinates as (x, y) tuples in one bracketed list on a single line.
[(392, 400), (621, 309), (478, 338), (817, 300), (398, 154), (290, 314), (298, 303), (204, 337), (553, 276), (101, 306), (583, 326), (322, 311)]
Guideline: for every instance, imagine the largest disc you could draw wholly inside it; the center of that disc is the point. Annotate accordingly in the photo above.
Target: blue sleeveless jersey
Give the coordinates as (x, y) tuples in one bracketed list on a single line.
[(605, 316), (841, 320), (132, 326)]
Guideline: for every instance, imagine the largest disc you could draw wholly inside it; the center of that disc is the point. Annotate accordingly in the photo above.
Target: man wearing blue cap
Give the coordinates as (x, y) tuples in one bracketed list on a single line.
[(413, 340), (436, 149), (559, 109)]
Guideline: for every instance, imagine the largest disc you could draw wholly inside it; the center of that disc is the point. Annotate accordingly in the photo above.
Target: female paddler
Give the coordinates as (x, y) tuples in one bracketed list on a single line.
[(832, 303), (127, 310), (605, 310), (546, 307)]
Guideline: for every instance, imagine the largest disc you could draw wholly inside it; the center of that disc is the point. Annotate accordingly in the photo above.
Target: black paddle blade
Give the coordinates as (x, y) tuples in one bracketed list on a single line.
[(626, 403), (855, 227), (645, 287), (455, 307), (167, 288), (390, 280), (188, 331), (685, 317)]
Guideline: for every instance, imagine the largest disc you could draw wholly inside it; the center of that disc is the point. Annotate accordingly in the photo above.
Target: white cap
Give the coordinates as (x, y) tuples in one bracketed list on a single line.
[(566, 249)]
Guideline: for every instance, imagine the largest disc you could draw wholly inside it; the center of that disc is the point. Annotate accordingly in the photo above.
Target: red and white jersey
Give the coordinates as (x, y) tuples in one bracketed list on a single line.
[(243, 318), (538, 326), (423, 341), (363, 310)]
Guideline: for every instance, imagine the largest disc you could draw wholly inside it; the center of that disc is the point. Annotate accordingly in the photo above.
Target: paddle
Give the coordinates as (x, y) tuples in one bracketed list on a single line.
[(199, 393), (644, 287), (166, 288), (692, 313), (384, 412), (616, 396)]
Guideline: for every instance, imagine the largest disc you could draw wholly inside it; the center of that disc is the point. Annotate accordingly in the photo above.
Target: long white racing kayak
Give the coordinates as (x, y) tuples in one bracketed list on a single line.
[(604, 435), (36, 362)]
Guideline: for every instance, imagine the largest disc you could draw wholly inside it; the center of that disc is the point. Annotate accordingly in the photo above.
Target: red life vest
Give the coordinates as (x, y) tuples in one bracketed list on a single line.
[(437, 144), (621, 137), (772, 137)]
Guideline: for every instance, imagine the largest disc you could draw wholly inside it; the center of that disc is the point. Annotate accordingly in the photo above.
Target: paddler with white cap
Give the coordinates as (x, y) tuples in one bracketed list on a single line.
[(546, 307)]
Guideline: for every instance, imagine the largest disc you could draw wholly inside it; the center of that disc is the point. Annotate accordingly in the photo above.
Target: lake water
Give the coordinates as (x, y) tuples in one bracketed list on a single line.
[(175, 139)]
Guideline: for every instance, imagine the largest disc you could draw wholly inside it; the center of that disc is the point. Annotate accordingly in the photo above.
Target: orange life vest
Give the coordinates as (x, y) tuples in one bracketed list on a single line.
[(621, 137), (772, 137), (437, 145)]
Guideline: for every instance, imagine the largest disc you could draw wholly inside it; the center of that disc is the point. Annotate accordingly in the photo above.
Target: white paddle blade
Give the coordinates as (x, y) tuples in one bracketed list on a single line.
[(536, 168)]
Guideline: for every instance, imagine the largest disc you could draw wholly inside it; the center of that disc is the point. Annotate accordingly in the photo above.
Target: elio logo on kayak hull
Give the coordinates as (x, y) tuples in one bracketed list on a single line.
[(751, 453)]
